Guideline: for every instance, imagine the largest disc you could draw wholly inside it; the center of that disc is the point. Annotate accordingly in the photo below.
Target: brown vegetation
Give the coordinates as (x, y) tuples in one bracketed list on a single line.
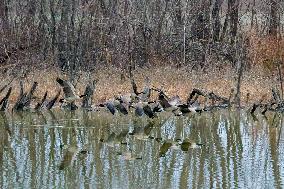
[(113, 81)]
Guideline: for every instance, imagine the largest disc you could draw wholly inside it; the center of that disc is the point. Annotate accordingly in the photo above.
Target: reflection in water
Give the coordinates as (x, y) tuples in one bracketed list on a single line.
[(79, 149)]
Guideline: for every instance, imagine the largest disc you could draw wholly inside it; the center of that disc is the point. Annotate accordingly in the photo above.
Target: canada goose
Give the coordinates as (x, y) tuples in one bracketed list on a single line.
[(113, 105), (128, 98), (163, 100), (69, 91), (120, 106), (110, 107), (184, 108), (157, 107), (148, 111), (142, 108), (138, 109), (175, 101), (195, 107)]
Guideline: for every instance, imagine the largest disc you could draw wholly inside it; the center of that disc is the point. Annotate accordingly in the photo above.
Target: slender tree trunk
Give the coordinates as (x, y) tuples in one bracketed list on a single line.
[(63, 60), (216, 19), (162, 15), (53, 25), (4, 11), (252, 14), (274, 19), (233, 8)]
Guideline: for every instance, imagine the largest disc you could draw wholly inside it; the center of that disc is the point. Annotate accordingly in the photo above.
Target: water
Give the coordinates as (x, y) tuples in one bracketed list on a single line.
[(219, 149)]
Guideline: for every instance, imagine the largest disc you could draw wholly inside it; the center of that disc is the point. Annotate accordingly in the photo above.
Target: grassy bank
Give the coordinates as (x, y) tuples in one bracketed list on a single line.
[(113, 81)]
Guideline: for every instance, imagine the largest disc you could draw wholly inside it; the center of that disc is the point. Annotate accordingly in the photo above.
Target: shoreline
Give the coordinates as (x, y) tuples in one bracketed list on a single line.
[(113, 81)]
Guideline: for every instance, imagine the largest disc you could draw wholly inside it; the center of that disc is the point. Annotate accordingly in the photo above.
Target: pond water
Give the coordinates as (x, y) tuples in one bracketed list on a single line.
[(60, 149)]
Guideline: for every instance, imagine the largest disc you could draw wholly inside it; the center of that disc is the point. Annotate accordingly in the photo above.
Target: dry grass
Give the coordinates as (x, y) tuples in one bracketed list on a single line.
[(265, 51), (174, 81)]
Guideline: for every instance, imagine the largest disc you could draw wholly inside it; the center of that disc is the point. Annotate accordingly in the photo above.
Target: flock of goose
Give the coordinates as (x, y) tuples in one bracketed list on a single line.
[(139, 102)]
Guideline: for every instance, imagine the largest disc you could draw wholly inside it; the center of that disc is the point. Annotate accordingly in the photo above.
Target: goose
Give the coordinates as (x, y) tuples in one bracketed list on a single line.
[(142, 108), (110, 107), (148, 111), (175, 101), (69, 91), (120, 106), (157, 107), (164, 101), (170, 104), (195, 107), (138, 109), (114, 105), (186, 108), (128, 98)]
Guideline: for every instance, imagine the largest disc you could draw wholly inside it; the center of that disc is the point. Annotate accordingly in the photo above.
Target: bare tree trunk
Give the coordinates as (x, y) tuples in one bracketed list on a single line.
[(206, 23), (252, 14), (274, 19), (162, 15), (53, 24), (233, 8), (63, 59), (4, 11), (239, 79), (216, 19)]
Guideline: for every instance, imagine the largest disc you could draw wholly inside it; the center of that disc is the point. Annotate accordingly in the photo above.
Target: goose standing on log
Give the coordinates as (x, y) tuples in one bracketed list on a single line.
[(70, 95)]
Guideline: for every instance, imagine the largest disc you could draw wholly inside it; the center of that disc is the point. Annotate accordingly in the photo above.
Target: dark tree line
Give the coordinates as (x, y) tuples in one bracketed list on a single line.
[(83, 34)]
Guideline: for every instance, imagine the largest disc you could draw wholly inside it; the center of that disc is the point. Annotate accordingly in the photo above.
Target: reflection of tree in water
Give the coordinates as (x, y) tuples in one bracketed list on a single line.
[(74, 149)]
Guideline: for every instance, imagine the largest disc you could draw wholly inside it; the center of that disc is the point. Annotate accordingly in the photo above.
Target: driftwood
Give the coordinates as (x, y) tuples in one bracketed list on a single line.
[(4, 101), (88, 95), (51, 103), (41, 103), (24, 99)]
